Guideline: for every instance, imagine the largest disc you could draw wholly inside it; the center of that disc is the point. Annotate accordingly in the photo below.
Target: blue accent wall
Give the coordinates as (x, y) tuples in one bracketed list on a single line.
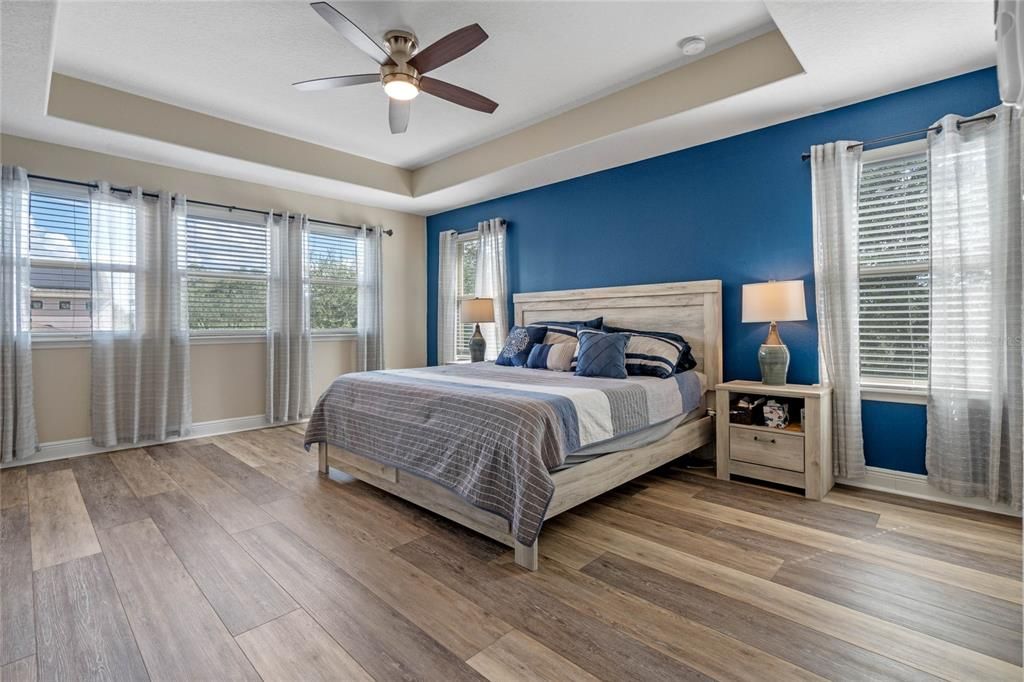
[(737, 209)]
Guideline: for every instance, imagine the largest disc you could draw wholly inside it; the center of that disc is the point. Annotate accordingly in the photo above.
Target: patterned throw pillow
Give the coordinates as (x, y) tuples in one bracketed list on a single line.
[(565, 332), (518, 344), (601, 355), (686, 360), (554, 356)]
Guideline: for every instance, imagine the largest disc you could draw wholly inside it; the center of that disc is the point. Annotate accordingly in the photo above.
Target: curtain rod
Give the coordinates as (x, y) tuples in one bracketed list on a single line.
[(922, 131), (154, 195)]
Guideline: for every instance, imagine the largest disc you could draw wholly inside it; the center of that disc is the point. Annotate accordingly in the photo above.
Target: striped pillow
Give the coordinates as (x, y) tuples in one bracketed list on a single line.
[(686, 360), (553, 356), (565, 332), (654, 356)]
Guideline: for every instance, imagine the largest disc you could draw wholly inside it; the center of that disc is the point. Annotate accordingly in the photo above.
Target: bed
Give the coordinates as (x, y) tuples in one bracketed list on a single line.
[(499, 450)]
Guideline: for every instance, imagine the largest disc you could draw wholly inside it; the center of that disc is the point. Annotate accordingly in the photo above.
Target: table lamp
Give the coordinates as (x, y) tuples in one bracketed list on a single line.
[(774, 302), (477, 310)]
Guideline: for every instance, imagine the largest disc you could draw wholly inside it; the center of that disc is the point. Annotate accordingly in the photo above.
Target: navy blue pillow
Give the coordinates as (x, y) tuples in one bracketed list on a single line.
[(601, 355), (686, 360), (518, 344)]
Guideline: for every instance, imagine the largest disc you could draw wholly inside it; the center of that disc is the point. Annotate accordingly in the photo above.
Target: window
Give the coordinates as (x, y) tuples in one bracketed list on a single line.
[(60, 274), (468, 250), (225, 256), (894, 226), (226, 272), (333, 257)]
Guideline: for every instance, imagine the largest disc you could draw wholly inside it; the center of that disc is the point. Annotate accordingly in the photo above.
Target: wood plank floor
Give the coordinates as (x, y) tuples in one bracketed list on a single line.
[(231, 558)]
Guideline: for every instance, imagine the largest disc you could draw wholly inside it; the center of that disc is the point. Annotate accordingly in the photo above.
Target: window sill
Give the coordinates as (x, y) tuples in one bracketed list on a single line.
[(213, 339), (60, 341), (893, 394), (335, 336)]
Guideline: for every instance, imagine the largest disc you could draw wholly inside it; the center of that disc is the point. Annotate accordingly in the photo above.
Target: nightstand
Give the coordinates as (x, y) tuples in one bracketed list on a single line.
[(799, 455)]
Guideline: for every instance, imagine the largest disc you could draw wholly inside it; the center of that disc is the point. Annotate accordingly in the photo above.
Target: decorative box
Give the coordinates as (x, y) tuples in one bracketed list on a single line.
[(776, 414)]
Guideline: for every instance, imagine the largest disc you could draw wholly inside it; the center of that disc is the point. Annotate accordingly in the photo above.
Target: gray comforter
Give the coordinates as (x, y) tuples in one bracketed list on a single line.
[(491, 434)]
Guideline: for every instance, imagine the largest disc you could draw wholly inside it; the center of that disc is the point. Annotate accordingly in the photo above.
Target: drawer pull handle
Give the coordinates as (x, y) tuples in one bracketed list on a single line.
[(772, 441)]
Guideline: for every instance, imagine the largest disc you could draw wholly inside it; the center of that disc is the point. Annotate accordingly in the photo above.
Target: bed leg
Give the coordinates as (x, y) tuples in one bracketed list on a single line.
[(527, 556), (321, 450)]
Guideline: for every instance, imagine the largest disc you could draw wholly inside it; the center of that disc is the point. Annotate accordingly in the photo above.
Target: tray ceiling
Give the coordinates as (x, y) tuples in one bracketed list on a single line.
[(236, 60)]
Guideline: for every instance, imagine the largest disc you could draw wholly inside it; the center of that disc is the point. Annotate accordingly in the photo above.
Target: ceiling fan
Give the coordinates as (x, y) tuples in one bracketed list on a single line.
[(402, 66)]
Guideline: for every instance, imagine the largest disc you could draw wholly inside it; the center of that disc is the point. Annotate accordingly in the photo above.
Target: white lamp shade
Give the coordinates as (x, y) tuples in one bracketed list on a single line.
[(476, 310), (774, 301)]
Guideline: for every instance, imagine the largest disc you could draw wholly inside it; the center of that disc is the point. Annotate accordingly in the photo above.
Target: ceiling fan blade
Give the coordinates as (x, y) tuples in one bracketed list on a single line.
[(352, 33), (398, 115), (337, 81), (460, 96), (449, 48)]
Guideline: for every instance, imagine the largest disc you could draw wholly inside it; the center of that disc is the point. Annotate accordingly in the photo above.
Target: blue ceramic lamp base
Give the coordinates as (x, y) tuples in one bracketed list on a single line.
[(478, 346)]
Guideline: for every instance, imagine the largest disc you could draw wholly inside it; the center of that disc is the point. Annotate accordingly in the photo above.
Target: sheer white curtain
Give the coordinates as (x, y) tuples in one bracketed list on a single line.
[(835, 178), (17, 418), (447, 295), (289, 396), (140, 341), (492, 282), (975, 380), (371, 301)]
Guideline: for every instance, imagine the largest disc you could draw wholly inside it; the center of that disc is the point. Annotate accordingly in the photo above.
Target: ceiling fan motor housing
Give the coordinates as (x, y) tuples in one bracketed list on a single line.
[(401, 46)]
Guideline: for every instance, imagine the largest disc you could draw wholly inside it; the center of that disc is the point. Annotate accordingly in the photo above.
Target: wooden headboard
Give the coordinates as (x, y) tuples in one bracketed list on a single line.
[(691, 309)]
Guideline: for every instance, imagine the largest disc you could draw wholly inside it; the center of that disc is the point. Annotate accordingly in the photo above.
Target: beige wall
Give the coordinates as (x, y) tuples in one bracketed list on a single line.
[(228, 380)]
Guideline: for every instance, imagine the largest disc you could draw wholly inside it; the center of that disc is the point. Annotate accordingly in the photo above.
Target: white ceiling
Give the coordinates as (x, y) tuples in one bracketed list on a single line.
[(850, 51), (236, 60)]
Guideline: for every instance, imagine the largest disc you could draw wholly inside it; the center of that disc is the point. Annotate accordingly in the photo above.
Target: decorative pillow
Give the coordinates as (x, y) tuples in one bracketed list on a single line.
[(565, 332), (518, 344), (654, 356), (554, 356), (686, 360), (601, 355)]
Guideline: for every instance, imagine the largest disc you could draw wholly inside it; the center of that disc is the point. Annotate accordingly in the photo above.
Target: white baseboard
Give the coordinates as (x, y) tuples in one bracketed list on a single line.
[(77, 447), (916, 485)]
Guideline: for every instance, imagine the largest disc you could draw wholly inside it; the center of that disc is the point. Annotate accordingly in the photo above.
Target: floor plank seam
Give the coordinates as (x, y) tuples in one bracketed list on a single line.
[(289, 593), (120, 602), (120, 599), (854, 542)]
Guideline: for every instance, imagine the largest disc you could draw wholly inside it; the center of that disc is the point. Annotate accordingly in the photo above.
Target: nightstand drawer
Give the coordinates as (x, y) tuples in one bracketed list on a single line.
[(759, 446)]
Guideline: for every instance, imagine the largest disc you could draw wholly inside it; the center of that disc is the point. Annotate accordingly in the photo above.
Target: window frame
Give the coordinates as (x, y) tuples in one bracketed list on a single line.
[(226, 335), (460, 241), (59, 339), (339, 333), (879, 388)]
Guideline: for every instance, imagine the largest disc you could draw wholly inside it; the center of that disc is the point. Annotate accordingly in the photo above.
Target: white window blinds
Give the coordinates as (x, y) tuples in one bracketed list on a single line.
[(894, 255), (468, 252), (227, 271), (333, 257), (60, 276)]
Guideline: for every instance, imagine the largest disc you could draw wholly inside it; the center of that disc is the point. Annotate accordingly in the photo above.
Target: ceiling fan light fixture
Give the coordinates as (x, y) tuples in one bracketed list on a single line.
[(401, 86), (402, 64)]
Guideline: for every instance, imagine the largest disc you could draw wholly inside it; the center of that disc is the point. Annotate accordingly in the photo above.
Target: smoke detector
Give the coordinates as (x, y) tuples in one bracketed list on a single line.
[(693, 45)]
